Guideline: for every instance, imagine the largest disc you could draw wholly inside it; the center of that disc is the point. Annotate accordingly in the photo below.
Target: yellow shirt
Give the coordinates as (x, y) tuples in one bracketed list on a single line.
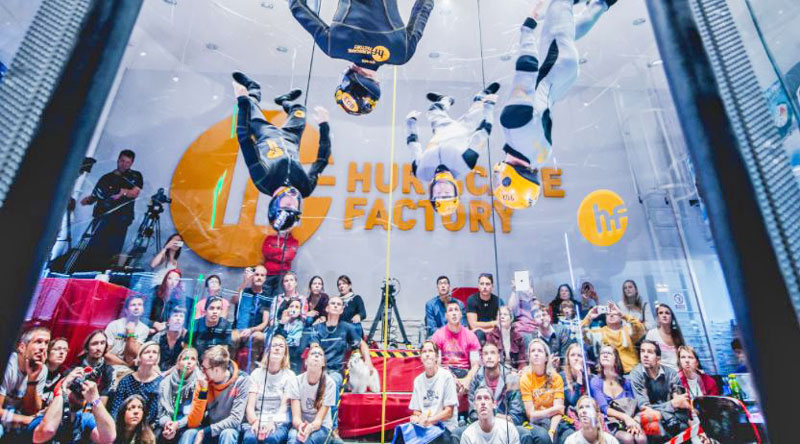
[(624, 340), (533, 389)]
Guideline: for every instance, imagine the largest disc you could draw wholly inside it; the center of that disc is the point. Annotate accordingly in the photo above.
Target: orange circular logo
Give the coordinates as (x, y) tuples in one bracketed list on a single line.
[(381, 53), (206, 180)]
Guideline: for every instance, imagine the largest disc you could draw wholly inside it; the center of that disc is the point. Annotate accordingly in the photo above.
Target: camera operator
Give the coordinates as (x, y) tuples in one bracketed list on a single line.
[(113, 197)]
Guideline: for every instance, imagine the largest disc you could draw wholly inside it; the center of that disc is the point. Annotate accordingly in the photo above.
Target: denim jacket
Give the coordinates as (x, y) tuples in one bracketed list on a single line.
[(369, 33)]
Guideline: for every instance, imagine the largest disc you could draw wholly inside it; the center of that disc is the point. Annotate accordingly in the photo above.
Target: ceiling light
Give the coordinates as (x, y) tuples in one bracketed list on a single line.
[(434, 55), (175, 79), (171, 2), (655, 63), (582, 60), (142, 54), (267, 5), (505, 57), (639, 21), (282, 49), (212, 46)]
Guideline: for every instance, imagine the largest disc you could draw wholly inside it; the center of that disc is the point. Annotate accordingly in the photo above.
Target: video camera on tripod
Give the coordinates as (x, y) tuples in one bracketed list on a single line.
[(389, 289), (151, 224)]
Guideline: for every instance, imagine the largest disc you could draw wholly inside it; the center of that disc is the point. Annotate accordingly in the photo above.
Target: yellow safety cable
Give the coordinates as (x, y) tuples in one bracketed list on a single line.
[(388, 255)]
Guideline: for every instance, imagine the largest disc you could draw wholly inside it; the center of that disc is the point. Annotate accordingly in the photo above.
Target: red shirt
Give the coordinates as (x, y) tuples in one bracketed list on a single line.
[(272, 249)]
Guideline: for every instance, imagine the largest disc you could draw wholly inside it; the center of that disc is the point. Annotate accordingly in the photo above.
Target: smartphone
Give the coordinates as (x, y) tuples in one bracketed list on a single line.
[(179, 243), (522, 281), (602, 309)]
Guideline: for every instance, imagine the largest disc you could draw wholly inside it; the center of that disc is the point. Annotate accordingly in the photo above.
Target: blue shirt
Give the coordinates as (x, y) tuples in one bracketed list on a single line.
[(436, 314), (251, 308), (71, 431), (336, 341)]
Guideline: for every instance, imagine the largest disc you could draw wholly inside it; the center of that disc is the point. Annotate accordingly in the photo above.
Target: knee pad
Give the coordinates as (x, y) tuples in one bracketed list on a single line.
[(516, 116), (527, 63)]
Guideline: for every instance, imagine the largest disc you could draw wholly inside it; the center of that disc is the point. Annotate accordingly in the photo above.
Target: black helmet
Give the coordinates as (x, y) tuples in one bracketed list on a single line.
[(284, 219), (357, 94)]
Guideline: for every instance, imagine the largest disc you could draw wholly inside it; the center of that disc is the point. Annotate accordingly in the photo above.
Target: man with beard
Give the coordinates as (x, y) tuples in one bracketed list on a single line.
[(23, 383)]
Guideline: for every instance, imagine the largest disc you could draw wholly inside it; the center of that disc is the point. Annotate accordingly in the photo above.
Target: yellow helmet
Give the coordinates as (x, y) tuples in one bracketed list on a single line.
[(516, 186), (444, 203)]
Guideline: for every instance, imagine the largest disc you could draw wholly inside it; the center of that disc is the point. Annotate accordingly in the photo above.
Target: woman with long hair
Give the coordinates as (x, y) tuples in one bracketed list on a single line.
[(354, 309), (317, 301), (668, 335), (132, 426), (143, 382), (434, 398), (574, 376), (623, 336), (563, 293), (632, 304), (312, 396), (166, 296), (267, 410), (213, 286), (693, 378), (591, 420), (615, 398), (177, 386), (167, 258), (290, 292), (503, 337), (542, 392)]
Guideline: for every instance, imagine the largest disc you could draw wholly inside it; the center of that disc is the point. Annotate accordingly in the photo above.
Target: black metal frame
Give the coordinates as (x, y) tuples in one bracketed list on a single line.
[(767, 319), (33, 209)]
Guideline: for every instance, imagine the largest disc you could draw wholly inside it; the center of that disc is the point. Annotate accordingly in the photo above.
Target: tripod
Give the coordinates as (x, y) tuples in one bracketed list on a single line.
[(151, 224), (76, 252), (390, 288)]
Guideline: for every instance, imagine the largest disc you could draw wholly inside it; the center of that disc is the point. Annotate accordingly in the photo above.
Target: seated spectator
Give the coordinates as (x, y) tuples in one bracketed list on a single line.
[(312, 396), (279, 252), (436, 307), (167, 258), (213, 285), (317, 301), (632, 305), (567, 311), (574, 376), (659, 392), (22, 388), (166, 297), (291, 329), (482, 307), (543, 394), (693, 378), (741, 356), (289, 285), (132, 425), (488, 429), (615, 398), (57, 352), (173, 339), (622, 337), (668, 335), (563, 294), (143, 382), (267, 418), (92, 355), (591, 421), (126, 335), (337, 338), (589, 297), (434, 398), (503, 337), (504, 388), (67, 421), (459, 348), (556, 337), (212, 329), (219, 400), (176, 392), (354, 310), (253, 308)]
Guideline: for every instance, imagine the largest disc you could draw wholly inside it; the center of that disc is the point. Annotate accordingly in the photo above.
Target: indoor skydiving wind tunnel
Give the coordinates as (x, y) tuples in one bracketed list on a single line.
[(429, 221)]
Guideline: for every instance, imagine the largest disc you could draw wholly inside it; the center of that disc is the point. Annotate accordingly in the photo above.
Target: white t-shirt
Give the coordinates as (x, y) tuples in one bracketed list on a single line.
[(277, 390), (577, 438), (15, 384), (307, 394), (116, 332), (502, 432), (432, 395), (694, 387), (669, 354)]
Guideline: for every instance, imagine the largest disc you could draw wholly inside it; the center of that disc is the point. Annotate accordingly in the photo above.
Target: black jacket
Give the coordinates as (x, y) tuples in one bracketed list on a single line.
[(369, 33)]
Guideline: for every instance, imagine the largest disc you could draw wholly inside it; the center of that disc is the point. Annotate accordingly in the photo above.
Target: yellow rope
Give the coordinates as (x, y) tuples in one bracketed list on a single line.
[(388, 255)]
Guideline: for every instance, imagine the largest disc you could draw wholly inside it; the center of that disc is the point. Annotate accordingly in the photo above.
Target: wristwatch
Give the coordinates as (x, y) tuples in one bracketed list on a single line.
[(95, 403)]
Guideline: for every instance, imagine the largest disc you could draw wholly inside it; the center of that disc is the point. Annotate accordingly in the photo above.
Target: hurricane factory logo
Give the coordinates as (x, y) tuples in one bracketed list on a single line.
[(603, 218), (216, 208), (381, 53)]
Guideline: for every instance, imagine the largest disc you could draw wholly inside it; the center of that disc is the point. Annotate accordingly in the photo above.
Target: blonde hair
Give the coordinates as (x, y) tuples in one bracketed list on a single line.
[(143, 347), (217, 356), (549, 371), (322, 380), (284, 362), (567, 369), (598, 418)]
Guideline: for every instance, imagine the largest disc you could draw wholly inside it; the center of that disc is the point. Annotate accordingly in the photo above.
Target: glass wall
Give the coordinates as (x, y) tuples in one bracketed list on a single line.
[(619, 221)]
